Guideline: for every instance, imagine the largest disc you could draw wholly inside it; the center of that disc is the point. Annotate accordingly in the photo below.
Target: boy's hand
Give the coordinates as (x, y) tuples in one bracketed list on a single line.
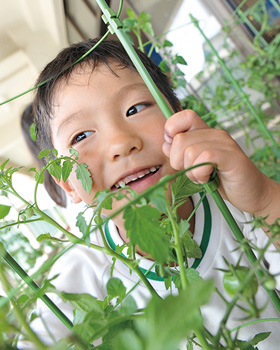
[(190, 141)]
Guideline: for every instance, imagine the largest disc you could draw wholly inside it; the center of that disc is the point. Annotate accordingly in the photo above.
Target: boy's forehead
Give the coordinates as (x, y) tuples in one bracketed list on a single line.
[(85, 73)]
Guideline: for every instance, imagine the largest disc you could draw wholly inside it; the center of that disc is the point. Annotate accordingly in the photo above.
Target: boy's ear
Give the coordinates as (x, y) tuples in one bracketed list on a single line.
[(70, 191)]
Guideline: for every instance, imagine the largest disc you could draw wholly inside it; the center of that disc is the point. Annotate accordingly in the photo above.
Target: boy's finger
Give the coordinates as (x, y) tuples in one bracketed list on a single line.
[(181, 122)]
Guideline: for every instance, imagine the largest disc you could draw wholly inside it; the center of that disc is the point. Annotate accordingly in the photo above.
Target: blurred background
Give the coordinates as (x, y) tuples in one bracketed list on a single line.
[(32, 32)]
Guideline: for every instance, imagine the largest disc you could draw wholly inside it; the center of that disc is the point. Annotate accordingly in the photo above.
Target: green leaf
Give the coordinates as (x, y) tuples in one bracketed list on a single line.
[(4, 164), (55, 152), (81, 223), (190, 246), (115, 288), (47, 236), (148, 28), (259, 337), (55, 169), (67, 167), (179, 60), (192, 275), (128, 306), (4, 210), (74, 152), (44, 153), (167, 43), (32, 131), (84, 175), (130, 13), (162, 335), (127, 340), (104, 197), (82, 302), (39, 176), (183, 188), (158, 199), (143, 229)]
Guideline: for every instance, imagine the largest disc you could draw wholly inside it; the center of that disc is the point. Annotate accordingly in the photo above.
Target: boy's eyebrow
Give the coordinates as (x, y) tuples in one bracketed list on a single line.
[(123, 91)]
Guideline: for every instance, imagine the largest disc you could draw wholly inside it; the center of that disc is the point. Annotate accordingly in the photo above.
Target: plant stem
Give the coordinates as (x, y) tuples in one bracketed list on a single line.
[(240, 238), (254, 322), (32, 336), (235, 84), (202, 340), (116, 27), (276, 5), (130, 263), (178, 249), (34, 287)]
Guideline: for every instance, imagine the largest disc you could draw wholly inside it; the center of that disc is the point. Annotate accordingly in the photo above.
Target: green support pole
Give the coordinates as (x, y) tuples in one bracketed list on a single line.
[(116, 27), (236, 85), (34, 287)]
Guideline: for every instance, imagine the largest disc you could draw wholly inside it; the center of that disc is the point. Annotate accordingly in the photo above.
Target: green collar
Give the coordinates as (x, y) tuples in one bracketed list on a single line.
[(203, 245)]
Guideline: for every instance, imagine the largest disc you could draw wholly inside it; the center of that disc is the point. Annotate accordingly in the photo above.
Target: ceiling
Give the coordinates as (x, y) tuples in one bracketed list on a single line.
[(32, 32)]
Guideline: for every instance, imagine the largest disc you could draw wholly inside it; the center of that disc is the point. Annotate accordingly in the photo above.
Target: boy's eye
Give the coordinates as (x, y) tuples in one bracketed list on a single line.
[(83, 135), (136, 109)]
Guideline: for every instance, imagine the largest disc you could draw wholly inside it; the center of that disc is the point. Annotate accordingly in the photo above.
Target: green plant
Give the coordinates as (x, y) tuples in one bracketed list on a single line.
[(115, 324), (116, 319)]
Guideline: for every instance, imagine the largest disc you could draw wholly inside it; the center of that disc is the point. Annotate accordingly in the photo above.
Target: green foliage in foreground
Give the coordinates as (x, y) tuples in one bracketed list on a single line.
[(163, 323)]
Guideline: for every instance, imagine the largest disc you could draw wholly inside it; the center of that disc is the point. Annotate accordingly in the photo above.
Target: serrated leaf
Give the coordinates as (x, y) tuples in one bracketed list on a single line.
[(67, 167), (84, 175), (47, 236), (127, 340), (44, 153), (158, 199), (73, 152), (128, 306), (180, 60), (148, 28), (130, 13), (183, 188), (39, 177), (143, 229), (81, 223), (167, 43), (55, 169), (4, 210), (192, 275), (115, 288), (83, 301), (104, 197), (55, 152), (184, 226), (4, 164), (159, 334), (190, 246)]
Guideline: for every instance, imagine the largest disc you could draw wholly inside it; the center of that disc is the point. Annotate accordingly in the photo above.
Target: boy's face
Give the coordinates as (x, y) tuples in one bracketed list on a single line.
[(115, 125)]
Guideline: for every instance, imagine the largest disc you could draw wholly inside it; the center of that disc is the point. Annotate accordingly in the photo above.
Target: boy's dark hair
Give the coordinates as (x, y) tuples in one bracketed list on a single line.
[(63, 65), (56, 193)]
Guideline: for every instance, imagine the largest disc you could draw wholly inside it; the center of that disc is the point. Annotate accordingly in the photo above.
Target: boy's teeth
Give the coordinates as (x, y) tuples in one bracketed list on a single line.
[(129, 179)]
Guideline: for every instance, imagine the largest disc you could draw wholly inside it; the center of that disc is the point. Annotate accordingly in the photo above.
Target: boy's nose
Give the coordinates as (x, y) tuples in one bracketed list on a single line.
[(123, 145)]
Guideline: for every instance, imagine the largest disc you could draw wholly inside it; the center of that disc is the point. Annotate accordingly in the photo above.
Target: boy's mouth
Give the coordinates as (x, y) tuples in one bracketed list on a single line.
[(140, 175)]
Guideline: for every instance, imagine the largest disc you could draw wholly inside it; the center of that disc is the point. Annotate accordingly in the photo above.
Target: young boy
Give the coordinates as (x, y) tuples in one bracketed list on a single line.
[(103, 109)]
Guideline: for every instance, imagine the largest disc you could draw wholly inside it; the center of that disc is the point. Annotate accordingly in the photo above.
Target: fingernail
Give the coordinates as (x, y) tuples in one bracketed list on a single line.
[(167, 139)]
